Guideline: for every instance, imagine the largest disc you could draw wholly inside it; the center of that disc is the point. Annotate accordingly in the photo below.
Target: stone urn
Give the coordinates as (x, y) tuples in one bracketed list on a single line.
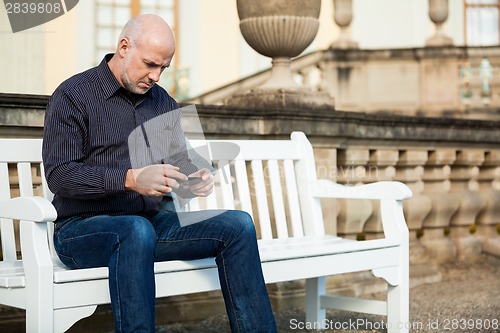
[(342, 15), (281, 30), (438, 13)]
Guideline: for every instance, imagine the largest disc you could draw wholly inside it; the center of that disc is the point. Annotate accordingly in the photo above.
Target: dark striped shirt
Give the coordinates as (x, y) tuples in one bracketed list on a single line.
[(87, 133)]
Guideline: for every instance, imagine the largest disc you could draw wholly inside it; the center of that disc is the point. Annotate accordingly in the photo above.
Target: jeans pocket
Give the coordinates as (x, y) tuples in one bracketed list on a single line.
[(68, 261), (58, 226)]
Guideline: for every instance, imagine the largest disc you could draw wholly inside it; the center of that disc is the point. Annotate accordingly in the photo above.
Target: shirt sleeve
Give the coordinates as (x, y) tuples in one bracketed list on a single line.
[(181, 157), (176, 153), (65, 139)]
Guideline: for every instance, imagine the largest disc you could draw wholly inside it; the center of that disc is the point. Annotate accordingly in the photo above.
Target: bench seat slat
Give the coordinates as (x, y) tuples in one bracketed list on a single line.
[(12, 274), (320, 266), (271, 250), (63, 275), (306, 247)]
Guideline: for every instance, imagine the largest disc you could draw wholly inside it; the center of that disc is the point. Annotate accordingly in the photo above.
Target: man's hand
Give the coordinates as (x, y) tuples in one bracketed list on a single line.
[(154, 180), (202, 187)]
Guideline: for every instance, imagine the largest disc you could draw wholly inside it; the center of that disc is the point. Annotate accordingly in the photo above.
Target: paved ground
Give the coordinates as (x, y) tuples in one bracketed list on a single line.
[(467, 299)]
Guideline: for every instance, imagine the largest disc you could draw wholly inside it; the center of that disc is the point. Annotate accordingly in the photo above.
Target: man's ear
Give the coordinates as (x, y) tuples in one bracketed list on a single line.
[(123, 46)]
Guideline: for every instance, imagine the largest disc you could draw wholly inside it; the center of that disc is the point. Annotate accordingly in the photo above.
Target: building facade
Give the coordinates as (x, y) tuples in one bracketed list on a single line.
[(211, 51), (392, 86)]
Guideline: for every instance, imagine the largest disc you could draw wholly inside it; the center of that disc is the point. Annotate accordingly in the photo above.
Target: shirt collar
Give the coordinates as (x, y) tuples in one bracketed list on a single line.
[(109, 82)]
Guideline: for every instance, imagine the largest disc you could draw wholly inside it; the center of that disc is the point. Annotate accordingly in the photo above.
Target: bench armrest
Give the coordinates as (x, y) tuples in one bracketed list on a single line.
[(35, 209), (390, 194), (324, 188)]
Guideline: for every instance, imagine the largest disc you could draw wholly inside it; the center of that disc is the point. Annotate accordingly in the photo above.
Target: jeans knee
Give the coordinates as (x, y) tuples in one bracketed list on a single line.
[(244, 222), (140, 234)]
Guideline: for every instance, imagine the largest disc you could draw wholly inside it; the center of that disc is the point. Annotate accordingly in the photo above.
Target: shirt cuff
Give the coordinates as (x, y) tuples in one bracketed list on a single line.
[(114, 180)]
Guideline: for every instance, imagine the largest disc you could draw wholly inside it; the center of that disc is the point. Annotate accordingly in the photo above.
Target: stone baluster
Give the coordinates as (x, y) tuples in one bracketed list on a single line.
[(437, 189), (488, 220), (381, 166), (342, 14), (464, 189), (311, 76), (329, 77), (352, 171), (410, 170)]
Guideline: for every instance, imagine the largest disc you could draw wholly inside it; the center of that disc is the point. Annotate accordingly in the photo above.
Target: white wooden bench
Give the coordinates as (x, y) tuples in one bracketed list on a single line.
[(274, 180)]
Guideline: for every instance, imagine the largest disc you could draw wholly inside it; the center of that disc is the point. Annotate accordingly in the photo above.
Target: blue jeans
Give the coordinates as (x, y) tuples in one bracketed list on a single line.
[(129, 245)]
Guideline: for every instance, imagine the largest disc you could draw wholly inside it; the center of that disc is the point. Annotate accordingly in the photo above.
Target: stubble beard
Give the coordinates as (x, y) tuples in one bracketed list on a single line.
[(127, 83)]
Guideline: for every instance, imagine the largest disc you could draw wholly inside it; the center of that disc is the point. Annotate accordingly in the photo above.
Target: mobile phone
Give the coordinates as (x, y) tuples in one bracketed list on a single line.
[(191, 181)]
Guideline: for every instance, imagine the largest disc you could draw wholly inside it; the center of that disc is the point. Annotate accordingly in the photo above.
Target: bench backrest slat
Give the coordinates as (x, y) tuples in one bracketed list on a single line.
[(24, 173), (263, 218), (241, 176), (22, 155), (292, 198), (277, 199), (45, 188), (226, 185), (8, 240), (4, 181)]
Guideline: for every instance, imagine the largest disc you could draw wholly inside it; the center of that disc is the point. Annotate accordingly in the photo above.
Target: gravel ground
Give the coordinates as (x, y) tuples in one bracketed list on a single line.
[(467, 299)]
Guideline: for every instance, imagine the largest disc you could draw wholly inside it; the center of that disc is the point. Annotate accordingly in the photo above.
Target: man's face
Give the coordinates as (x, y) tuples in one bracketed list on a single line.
[(143, 65)]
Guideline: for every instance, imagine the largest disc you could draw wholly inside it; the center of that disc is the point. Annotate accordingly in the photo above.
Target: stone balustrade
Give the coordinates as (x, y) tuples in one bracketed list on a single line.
[(439, 82), (449, 202)]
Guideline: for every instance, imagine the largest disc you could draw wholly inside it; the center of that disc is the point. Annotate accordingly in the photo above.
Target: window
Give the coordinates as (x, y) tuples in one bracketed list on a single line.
[(112, 15), (482, 22)]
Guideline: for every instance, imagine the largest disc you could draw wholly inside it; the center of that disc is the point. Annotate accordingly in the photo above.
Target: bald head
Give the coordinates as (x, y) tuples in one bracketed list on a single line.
[(146, 47), (147, 28)]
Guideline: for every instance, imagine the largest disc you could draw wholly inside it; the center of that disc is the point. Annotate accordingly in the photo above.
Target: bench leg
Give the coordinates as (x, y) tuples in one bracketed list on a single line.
[(315, 289), (398, 308), (398, 289), (37, 322)]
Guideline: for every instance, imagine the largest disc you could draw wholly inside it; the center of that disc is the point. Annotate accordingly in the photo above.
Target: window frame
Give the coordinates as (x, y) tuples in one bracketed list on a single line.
[(135, 8), (479, 5)]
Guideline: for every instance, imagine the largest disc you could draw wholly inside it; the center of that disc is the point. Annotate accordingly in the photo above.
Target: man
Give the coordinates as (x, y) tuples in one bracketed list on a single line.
[(109, 212)]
